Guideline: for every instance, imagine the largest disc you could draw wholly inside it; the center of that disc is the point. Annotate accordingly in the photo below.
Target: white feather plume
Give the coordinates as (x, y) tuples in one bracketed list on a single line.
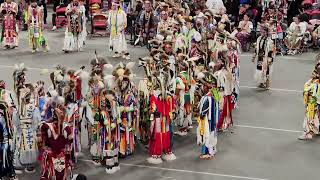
[(131, 76), (53, 93), (60, 100), (84, 76), (197, 36), (200, 75), (212, 64), (109, 81), (130, 65), (160, 37), (107, 68), (169, 38), (101, 84)]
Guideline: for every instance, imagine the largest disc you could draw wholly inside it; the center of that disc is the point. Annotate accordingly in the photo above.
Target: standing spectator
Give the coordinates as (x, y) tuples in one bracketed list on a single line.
[(293, 9), (57, 4), (232, 7), (43, 3)]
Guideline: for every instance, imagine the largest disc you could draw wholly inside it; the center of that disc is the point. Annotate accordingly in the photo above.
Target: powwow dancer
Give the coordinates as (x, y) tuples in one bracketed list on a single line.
[(185, 92), (208, 116), (265, 56), (117, 21), (58, 78), (73, 36), (110, 124), (225, 83), (96, 85), (9, 35), (311, 93), (35, 25), (56, 140), (125, 92), (29, 116), (145, 88), (233, 56), (72, 116), (162, 106), (7, 130)]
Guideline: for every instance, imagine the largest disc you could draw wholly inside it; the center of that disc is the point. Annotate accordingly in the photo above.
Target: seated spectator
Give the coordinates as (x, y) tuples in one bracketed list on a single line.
[(315, 37), (244, 30), (295, 34)]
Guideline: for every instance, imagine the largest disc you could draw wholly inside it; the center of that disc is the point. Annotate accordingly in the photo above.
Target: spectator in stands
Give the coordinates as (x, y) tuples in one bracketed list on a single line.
[(244, 30), (295, 35), (315, 37)]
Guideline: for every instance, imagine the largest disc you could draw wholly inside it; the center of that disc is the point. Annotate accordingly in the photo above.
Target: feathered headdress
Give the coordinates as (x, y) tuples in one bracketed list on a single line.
[(19, 74), (206, 78), (123, 71), (97, 65)]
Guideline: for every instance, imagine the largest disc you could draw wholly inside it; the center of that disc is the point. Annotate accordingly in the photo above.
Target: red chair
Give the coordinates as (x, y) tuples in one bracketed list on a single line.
[(61, 18)]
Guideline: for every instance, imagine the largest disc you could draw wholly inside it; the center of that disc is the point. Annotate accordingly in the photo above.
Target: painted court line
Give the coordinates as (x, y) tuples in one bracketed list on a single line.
[(267, 128), (274, 89), (183, 171), (192, 172)]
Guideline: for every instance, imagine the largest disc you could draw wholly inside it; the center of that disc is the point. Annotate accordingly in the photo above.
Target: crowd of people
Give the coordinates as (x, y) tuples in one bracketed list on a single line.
[(192, 71), (293, 25)]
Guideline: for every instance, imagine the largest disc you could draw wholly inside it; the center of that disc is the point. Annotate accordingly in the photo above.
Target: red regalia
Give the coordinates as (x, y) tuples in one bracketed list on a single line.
[(57, 143), (9, 35)]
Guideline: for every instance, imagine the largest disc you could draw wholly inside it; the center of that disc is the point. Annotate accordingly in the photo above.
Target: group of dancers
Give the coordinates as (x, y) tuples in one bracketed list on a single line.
[(191, 73), (45, 125), (75, 34)]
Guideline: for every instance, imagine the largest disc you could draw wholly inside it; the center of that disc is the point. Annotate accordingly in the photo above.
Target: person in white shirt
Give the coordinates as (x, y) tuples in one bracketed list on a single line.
[(295, 34), (214, 5), (244, 30)]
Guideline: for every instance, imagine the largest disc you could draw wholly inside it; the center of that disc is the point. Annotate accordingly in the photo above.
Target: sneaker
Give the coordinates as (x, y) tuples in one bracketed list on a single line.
[(54, 28), (30, 170), (17, 171), (305, 137), (127, 57), (116, 55)]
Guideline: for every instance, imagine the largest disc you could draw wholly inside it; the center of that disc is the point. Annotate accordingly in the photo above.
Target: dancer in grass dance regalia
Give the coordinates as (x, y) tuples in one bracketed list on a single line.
[(208, 116), (35, 25)]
